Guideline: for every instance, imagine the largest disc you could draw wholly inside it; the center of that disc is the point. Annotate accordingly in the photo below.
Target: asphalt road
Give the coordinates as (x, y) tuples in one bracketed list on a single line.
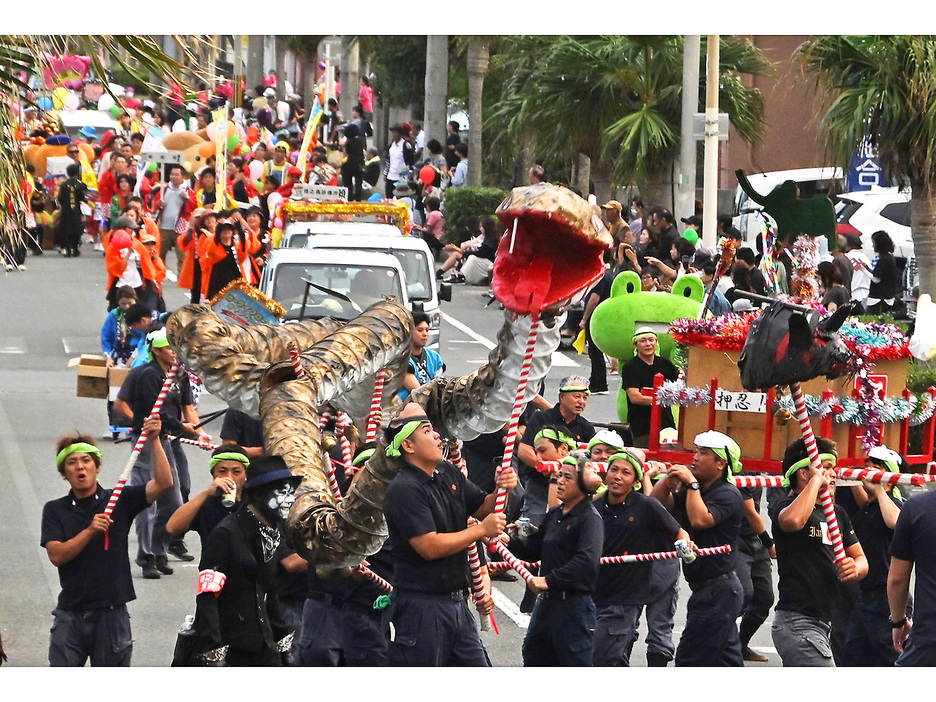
[(53, 312)]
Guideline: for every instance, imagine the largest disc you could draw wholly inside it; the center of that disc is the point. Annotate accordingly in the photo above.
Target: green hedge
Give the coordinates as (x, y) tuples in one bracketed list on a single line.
[(461, 204)]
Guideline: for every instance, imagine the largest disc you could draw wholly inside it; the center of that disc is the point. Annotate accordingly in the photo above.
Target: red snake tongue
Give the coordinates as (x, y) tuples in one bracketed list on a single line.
[(532, 290)]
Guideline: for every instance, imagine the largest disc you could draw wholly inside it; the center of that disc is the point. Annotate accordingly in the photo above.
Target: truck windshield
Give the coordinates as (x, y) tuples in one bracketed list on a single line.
[(365, 285)]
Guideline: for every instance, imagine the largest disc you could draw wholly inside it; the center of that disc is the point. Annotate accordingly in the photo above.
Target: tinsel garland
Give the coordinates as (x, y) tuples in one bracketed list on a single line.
[(675, 392), (871, 341), (726, 332), (805, 257), (398, 210), (848, 410)]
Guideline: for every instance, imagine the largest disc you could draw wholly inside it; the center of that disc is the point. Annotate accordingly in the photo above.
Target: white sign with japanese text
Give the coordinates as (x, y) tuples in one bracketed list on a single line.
[(727, 401)]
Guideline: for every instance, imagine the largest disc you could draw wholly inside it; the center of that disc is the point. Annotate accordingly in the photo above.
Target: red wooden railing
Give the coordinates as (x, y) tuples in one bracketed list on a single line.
[(764, 464)]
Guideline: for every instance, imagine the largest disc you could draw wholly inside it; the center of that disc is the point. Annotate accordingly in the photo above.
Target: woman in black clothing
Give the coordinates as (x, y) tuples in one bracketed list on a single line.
[(882, 295), (570, 542), (223, 255), (352, 170), (834, 294)]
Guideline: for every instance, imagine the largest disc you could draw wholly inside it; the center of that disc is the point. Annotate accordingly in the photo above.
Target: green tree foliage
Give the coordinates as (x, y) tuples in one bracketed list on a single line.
[(462, 204), (883, 88), (615, 99), (399, 66)]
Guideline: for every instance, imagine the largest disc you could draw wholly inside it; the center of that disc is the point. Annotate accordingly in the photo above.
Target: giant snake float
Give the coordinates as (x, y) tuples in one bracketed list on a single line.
[(549, 255)]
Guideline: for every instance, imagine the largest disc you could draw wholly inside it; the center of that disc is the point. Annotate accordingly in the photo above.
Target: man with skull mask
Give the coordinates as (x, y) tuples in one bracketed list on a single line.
[(237, 618)]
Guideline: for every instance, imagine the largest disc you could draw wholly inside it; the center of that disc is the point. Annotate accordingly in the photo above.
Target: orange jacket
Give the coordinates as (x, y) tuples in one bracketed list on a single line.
[(116, 264), (187, 242), (150, 226), (214, 252)]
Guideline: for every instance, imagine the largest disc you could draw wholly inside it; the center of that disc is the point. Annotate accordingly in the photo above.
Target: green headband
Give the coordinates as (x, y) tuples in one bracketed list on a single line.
[(633, 460), (228, 456), (394, 448), (78, 446), (804, 463), (362, 456), (641, 334), (553, 435)]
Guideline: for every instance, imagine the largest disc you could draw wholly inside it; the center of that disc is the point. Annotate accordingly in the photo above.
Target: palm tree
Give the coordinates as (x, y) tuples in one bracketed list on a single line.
[(140, 56), (616, 100), (883, 88)]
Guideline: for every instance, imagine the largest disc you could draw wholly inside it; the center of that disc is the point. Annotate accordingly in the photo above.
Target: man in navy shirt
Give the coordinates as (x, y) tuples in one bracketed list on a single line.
[(562, 627), (427, 508), (633, 523), (708, 506), (912, 546), (91, 618), (567, 415)]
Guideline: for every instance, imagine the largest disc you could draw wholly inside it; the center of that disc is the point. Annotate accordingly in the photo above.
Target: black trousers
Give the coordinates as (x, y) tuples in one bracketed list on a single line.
[(598, 380)]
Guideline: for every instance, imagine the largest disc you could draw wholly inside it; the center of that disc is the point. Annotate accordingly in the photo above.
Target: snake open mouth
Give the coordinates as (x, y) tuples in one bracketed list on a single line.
[(552, 248)]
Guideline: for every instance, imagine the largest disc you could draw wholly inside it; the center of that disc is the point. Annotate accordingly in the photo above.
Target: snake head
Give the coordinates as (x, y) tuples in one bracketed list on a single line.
[(551, 251)]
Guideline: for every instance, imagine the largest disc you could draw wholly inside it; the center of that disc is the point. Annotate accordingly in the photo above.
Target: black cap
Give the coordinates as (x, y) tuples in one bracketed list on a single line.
[(269, 469)]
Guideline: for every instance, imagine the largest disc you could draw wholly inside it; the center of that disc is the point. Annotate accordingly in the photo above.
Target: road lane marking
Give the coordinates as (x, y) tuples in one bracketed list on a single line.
[(507, 606), (558, 359), (81, 344)]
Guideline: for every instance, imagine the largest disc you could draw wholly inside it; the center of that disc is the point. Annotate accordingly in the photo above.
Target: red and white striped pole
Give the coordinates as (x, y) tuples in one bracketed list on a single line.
[(513, 426), (629, 557), (880, 476), (751, 481), (374, 578), (474, 561), (138, 447), (344, 421), (825, 495), (375, 416), (207, 446), (660, 555), (295, 359), (511, 442)]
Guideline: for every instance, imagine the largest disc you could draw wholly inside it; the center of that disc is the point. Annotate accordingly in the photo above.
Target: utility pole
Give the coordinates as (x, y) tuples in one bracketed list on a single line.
[(710, 183), (350, 65), (686, 185)]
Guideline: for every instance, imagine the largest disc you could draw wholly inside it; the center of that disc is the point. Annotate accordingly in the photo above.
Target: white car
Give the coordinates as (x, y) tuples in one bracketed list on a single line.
[(867, 211), (812, 182)]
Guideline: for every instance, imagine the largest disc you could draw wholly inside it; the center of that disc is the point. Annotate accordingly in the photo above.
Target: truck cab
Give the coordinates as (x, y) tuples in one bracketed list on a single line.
[(359, 281), (415, 258)]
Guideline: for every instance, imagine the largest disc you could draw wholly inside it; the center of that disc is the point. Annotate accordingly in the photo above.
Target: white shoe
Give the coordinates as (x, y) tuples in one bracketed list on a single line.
[(22, 268), (8, 266), (99, 247)]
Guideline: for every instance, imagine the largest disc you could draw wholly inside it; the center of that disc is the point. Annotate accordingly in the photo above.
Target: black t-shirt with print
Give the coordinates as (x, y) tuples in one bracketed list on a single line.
[(805, 561)]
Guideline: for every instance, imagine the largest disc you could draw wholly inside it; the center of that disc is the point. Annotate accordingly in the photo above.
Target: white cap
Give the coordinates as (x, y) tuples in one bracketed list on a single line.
[(889, 457), (606, 436)]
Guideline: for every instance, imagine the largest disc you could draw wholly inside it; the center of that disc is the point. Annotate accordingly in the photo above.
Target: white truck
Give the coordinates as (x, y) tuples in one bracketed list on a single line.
[(315, 283)]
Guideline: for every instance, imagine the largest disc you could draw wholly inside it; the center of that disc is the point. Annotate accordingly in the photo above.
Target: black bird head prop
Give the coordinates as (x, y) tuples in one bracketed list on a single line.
[(789, 344)]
